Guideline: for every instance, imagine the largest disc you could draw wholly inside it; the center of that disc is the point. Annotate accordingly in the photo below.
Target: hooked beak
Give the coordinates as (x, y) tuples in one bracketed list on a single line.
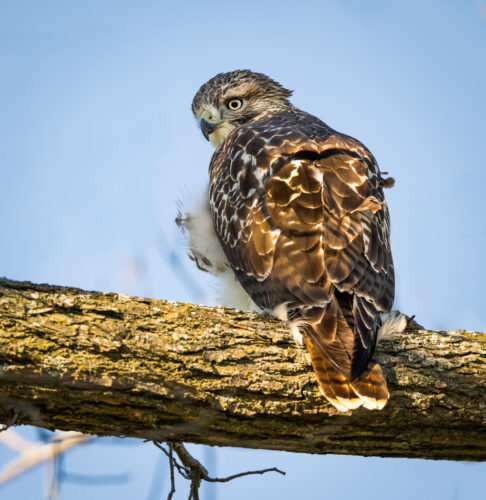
[(207, 128)]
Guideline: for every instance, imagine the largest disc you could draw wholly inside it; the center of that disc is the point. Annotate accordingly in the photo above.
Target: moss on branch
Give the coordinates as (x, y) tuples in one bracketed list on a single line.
[(108, 364)]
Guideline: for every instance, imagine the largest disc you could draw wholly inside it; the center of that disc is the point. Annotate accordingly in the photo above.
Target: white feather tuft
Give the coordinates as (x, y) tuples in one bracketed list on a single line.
[(203, 244), (280, 311), (232, 294), (295, 329), (205, 249), (392, 322)]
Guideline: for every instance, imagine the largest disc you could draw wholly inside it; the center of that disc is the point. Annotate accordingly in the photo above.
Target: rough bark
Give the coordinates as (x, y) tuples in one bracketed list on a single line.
[(108, 364)]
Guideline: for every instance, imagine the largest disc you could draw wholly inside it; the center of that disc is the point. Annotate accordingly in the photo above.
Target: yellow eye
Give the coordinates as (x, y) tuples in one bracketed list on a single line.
[(234, 104)]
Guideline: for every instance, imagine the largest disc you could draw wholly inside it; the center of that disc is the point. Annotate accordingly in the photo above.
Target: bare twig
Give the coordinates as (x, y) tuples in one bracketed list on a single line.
[(52, 489), (182, 470), (171, 465), (234, 476), (31, 454), (192, 470)]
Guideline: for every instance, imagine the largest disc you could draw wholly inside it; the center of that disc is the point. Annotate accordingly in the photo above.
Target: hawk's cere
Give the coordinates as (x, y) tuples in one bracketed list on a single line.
[(296, 213)]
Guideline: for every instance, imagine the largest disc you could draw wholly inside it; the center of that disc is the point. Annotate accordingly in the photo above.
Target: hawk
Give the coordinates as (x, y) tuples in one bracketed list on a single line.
[(295, 222)]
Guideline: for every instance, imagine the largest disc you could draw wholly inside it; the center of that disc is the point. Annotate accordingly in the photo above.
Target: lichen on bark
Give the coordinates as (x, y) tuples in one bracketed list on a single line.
[(108, 364)]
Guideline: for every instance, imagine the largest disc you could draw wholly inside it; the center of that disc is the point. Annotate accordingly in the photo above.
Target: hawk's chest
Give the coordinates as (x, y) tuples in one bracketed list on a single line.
[(237, 184)]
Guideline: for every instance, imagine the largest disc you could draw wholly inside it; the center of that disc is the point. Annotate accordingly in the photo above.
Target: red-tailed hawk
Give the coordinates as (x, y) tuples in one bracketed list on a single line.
[(296, 213)]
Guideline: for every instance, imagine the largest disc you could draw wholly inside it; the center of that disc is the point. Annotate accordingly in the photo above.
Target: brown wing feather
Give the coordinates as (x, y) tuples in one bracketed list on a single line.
[(300, 212)]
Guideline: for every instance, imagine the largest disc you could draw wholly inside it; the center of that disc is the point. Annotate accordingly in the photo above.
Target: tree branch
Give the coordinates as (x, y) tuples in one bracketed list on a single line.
[(114, 365), (195, 472)]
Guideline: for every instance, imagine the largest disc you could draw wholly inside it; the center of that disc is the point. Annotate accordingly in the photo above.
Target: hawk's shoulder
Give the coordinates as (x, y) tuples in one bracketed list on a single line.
[(300, 207)]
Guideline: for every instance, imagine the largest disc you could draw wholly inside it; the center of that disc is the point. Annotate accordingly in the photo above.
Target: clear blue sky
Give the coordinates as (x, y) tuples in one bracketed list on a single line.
[(97, 143)]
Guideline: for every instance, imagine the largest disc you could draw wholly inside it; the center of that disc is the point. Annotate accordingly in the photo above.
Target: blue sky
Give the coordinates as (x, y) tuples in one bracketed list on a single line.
[(97, 143)]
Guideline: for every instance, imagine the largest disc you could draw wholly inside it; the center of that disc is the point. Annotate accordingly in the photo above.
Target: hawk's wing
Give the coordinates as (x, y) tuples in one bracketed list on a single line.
[(300, 212)]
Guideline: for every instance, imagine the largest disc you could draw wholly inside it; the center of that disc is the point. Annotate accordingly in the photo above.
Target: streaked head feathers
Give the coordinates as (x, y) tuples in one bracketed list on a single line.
[(244, 84)]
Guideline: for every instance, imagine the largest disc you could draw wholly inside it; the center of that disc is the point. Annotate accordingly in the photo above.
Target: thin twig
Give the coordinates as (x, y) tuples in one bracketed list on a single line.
[(171, 465), (189, 461), (192, 470), (31, 454), (234, 476), (180, 468)]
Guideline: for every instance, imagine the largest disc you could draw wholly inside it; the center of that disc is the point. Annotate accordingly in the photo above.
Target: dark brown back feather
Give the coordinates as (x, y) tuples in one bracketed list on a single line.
[(300, 212)]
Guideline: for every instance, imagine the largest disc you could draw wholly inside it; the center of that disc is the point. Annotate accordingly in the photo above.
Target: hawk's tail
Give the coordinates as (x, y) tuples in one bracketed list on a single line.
[(369, 390)]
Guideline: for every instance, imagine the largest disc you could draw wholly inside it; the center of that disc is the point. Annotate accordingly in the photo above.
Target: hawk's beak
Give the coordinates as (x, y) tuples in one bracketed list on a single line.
[(207, 128)]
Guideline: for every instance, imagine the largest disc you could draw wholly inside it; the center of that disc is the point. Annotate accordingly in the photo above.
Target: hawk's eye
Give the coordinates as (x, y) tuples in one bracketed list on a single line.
[(234, 104)]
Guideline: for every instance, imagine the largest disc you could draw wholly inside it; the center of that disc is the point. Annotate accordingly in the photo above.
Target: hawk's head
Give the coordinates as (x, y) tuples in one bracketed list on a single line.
[(230, 99)]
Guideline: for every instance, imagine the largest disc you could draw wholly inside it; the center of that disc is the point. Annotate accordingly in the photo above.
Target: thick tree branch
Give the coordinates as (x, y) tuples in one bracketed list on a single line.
[(109, 364)]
